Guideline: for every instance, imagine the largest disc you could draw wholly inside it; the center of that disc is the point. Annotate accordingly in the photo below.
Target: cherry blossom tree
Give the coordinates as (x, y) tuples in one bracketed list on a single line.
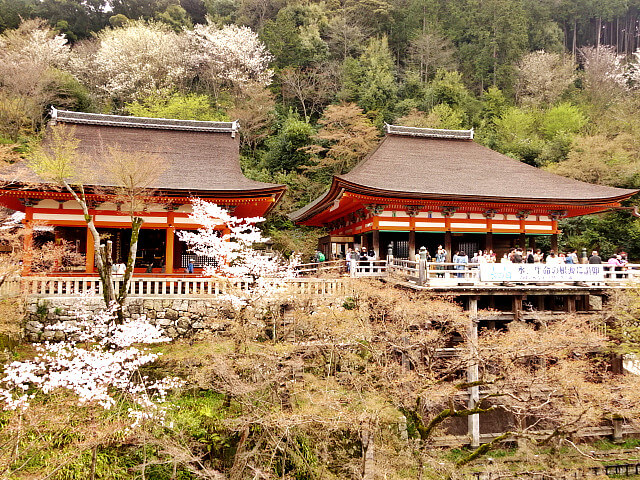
[(230, 240), (29, 57), (633, 70), (133, 61), (230, 56), (604, 74), (542, 77), (99, 360)]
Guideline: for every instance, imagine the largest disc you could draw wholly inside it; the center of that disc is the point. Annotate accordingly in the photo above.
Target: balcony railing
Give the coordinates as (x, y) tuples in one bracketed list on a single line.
[(167, 287), (424, 273)]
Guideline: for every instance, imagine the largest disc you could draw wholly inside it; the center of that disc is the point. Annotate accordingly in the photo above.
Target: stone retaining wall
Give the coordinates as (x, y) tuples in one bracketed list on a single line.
[(176, 316)]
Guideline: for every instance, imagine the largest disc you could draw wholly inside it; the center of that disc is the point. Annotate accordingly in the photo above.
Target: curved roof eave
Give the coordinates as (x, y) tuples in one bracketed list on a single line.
[(339, 184)]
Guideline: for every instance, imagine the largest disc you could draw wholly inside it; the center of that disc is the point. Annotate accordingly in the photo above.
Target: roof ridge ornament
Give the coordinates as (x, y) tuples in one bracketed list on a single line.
[(67, 116), (428, 132)]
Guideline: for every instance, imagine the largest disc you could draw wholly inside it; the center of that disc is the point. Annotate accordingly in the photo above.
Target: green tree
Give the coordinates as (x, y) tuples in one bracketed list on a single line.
[(294, 37), (76, 18), (137, 9), (448, 87), (603, 160), (374, 17), (517, 135), (490, 35), (175, 16), (13, 12), (563, 119), (286, 150), (440, 116), (371, 80), (177, 105)]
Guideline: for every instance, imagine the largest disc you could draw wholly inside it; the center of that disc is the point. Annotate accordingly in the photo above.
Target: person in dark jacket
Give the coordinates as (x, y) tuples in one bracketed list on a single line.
[(530, 257), (595, 258)]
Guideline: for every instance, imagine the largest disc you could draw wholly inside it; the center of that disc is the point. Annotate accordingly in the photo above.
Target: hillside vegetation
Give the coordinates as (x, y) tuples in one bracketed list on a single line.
[(349, 390)]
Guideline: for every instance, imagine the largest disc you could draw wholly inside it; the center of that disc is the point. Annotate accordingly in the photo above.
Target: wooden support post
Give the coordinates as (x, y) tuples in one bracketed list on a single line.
[(488, 244), (517, 307), (571, 303), (554, 242), (171, 231), (27, 245), (376, 243), (447, 245), (412, 245), (540, 306), (90, 255), (586, 303), (617, 430), (473, 421), (522, 241), (532, 242)]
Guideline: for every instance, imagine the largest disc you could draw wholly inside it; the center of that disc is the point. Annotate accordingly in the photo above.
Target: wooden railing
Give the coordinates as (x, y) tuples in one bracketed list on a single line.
[(162, 287), (369, 268), (11, 287), (361, 268), (325, 278), (321, 268)]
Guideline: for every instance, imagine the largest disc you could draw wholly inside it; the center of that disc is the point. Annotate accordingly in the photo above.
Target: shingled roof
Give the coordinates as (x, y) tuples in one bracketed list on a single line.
[(448, 165), (201, 157)]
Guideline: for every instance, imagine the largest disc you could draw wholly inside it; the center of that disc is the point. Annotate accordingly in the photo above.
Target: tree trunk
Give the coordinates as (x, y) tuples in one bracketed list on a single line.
[(103, 257), (103, 261), (136, 224), (598, 33), (574, 41)]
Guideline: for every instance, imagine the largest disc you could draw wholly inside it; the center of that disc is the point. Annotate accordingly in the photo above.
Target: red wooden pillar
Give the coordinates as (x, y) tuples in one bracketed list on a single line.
[(27, 243), (169, 244), (90, 253), (171, 231)]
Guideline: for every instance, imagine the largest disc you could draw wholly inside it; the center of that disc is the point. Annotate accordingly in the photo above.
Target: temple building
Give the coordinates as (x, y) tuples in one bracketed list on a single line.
[(200, 159), (430, 187)]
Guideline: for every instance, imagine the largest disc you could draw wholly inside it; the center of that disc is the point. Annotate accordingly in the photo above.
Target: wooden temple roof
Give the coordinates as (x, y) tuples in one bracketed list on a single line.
[(447, 165), (202, 158)]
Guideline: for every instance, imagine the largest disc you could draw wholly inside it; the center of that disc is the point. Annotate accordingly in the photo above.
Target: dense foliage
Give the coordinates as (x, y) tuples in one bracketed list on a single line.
[(551, 83)]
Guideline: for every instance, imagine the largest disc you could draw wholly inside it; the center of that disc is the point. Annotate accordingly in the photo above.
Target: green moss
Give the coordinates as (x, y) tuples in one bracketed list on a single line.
[(605, 444)]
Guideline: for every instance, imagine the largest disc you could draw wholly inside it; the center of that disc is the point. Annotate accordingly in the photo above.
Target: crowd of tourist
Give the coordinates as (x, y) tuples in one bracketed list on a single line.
[(518, 255), (461, 259)]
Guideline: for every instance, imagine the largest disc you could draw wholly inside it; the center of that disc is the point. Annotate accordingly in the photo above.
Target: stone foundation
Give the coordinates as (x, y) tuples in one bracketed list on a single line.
[(175, 316)]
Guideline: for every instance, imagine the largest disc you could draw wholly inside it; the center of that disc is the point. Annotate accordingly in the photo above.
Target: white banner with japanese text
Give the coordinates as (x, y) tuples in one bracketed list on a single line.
[(539, 272)]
